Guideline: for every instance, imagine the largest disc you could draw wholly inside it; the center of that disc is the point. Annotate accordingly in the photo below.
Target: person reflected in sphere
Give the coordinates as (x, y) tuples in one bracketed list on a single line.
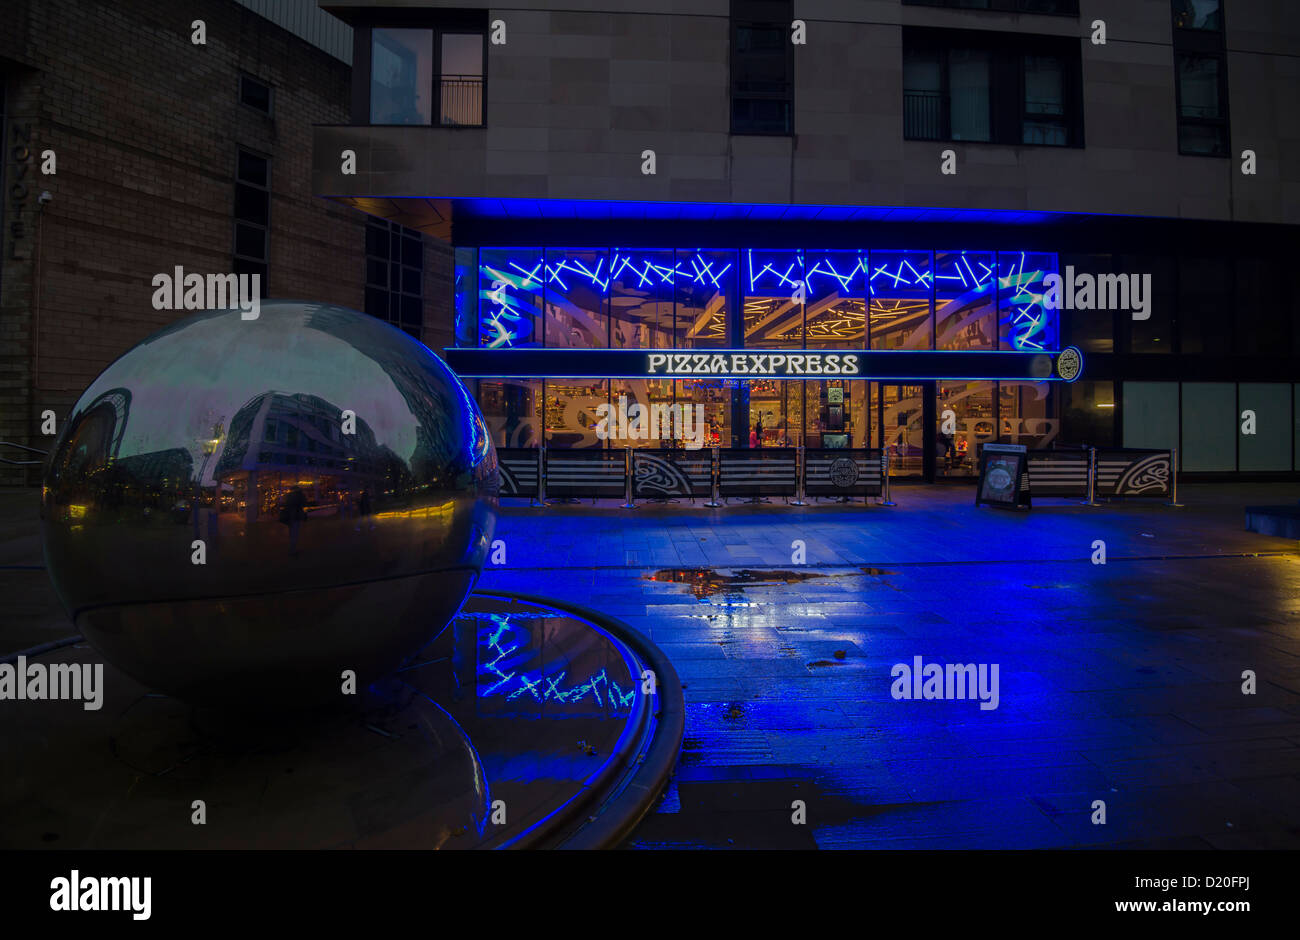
[(292, 512)]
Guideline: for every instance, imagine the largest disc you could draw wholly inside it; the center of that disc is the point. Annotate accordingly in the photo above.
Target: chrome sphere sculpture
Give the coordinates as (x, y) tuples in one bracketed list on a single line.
[(243, 512)]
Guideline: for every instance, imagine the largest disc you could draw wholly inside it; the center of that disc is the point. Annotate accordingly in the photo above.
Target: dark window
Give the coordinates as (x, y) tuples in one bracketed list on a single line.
[(252, 215), (255, 94), (1205, 304), (1201, 78), (1198, 14), (992, 87), (427, 76), (1059, 7), (762, 67), (395, 275)]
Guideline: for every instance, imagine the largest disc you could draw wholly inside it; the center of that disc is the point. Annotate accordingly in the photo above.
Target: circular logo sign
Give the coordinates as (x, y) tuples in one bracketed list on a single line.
[(843, 472), (1069, 364)]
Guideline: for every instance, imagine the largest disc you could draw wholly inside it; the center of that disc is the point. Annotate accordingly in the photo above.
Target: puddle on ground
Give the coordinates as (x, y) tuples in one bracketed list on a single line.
[(711, 582)]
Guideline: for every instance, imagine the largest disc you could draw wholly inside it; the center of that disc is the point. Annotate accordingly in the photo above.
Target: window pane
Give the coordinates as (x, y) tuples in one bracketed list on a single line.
[(252, 169), (1198, 85), (250, 241), (772, 318), (577, 282), (969, 81), (972, 406), (510, 297), (512, 409), (922, 95), (838, 413), (1209, 426), (1204, 305), (901, 287), (1044, 122), (641, 299), (571, 415), (254, 94), (1197, 14), (715, 396), (965, 300), (836, 314), (1025, 410), (251, 204), (706, 295), (401, 76), (1024, 322), (1210, 139), (462, 79), (466, 297), (1150, 414), (1088, 413), (1269, 448)]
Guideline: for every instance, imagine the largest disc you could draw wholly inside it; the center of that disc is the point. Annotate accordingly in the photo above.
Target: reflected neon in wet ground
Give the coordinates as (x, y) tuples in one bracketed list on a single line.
[(509, 729)]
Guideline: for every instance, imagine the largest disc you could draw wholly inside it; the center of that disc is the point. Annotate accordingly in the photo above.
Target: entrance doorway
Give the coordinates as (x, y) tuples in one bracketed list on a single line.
[(905, 419)]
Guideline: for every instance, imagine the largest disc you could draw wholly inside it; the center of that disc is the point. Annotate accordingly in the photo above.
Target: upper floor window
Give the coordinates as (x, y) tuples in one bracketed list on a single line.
[(426, 76), (1201, 77), (762, 67), (1061, 7), (395, 275), (1198, 14), (252, 250), (994, 87), (255, 94)]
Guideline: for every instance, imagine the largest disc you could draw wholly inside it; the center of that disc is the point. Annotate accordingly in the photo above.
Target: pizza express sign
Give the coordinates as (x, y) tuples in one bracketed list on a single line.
[(723, 364), (752, 363)]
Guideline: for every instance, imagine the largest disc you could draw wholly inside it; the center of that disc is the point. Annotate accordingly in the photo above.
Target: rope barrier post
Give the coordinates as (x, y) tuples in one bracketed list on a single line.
[(714, 472), (627, 479), (1090, 497), (884, 483), (1173, 479), (541, 474), (801, 474)]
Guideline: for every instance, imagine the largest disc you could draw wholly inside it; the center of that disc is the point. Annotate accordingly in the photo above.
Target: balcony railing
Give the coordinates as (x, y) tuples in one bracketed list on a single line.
[(462, 101)]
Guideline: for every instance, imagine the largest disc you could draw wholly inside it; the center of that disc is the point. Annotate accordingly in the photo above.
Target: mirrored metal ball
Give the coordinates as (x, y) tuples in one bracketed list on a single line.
[(240, 512)]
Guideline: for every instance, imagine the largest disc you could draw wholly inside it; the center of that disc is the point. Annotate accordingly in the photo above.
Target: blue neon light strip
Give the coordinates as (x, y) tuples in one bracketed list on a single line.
[(512, 306)]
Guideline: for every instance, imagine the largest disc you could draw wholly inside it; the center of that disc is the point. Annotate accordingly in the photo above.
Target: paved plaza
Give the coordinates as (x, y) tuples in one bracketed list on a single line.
[(1119, 683)]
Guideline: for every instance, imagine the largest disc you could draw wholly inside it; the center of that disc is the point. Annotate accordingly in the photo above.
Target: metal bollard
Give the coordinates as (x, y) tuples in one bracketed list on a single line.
[(714, 471), (541, 473), (884, 469), (1173, 479), (627, 479), (1090, 498), (801, 474)]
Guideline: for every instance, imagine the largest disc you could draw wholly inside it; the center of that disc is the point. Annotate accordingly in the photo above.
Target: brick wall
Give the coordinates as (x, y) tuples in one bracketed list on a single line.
[(145, 126)]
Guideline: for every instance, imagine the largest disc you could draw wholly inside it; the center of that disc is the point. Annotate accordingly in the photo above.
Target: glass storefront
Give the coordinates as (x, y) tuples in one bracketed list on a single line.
[(674, 298)]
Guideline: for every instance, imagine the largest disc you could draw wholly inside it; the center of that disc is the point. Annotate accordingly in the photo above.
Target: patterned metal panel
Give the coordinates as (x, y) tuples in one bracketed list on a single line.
[(836, 472), (660, 473), (1058, 473), (594, 474), (518, 466), (1134, 472), (758, 472)]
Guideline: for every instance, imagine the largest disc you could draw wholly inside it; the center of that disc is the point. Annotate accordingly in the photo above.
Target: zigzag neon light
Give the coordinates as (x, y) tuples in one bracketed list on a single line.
[(901, 279), (784, 279), (846, 280), (577, 267), (497, 647), (1028, 318), (666, 275), (702, 269), (966, 275)]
